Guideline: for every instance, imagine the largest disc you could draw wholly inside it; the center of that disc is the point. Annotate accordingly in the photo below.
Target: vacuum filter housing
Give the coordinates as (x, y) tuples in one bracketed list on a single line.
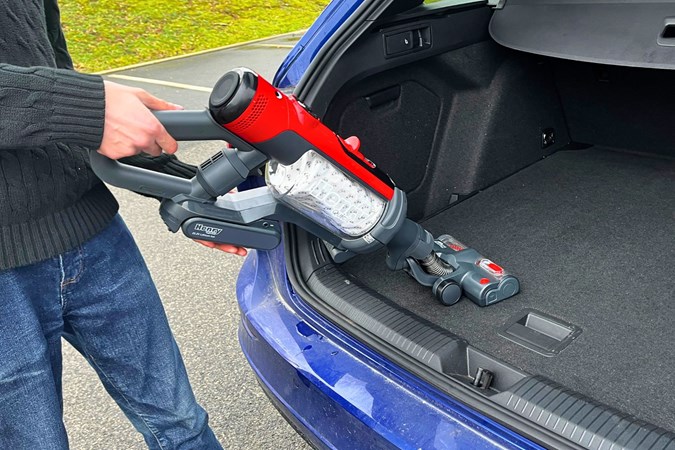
[(311, 168), (317, 189)]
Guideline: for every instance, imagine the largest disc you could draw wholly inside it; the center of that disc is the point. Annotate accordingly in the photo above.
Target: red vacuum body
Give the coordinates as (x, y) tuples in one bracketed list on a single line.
[(331, 183), (281, 127), (315, 180)]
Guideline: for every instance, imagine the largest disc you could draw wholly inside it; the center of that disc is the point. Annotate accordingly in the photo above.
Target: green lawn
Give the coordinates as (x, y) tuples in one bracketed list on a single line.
[(105, 34)]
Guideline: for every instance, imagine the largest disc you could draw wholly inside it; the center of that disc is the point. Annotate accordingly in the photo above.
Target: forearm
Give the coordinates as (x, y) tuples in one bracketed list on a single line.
[(41, 106)]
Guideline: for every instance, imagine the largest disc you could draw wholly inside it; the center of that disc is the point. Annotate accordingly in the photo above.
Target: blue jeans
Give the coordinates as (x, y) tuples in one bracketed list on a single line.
[(101, 299)]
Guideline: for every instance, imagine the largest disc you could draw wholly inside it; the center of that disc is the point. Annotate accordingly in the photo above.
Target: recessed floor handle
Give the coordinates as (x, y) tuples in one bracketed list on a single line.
[(539, 332), (668, 32), (667, 36)]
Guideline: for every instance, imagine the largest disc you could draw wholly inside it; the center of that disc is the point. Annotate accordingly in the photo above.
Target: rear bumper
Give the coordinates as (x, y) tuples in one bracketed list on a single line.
[(336, 392)]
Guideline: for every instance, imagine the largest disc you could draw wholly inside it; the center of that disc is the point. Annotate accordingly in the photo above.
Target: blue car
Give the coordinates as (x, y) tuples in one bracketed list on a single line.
[(541, 134)]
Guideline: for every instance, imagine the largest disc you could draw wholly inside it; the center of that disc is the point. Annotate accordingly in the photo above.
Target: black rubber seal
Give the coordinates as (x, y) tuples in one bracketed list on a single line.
[(224, 89), (232, 94)]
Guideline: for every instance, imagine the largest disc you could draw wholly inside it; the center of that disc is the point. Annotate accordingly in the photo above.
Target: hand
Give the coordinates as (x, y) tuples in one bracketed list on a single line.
[(130, 128), (227, 248)]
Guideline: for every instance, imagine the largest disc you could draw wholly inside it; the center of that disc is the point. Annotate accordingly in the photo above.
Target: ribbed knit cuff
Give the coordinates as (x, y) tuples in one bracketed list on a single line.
[(79, 109), (26, 243)]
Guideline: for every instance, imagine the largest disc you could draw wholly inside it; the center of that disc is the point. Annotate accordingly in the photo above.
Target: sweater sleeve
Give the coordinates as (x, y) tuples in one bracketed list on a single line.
[(42, 105)]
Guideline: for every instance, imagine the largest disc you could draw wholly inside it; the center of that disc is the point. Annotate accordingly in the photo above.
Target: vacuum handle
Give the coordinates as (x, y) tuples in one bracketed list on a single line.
[(198, 125), (137, 179), (182, 126), (192, 125)]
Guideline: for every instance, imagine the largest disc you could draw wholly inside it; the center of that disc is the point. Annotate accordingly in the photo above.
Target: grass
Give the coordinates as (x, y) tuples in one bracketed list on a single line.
[(105, 34)]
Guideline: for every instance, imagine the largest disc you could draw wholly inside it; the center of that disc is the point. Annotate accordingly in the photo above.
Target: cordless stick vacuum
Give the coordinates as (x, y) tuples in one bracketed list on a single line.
[(315, 179)]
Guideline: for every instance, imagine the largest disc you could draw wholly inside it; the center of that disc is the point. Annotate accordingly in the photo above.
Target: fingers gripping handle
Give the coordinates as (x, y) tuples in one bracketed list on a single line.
[(183, 126)]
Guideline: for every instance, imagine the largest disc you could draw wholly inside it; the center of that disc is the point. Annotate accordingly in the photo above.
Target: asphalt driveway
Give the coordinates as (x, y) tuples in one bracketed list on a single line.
[(196, 285)]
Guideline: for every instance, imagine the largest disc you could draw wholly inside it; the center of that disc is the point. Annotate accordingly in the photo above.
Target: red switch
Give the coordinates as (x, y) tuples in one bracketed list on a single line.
[(495, 268), (353, 145), (488, 265)]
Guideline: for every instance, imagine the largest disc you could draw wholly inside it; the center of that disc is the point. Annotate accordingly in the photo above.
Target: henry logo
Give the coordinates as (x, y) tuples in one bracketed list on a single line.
[(211, 231)]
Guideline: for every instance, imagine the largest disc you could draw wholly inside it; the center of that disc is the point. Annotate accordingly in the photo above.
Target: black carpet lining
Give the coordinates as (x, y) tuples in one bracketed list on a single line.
[(591, 236)]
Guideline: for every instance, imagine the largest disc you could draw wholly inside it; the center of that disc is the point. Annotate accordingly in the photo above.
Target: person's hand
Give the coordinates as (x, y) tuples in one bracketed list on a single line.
[(227, 248), (130, 128)]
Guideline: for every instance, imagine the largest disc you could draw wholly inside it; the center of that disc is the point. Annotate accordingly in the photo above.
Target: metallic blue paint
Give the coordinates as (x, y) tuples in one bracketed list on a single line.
[(336, 391), (297, 61)]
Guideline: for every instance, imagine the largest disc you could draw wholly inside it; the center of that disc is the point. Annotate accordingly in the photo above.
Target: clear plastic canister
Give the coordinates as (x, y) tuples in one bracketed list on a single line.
[(316, 188)]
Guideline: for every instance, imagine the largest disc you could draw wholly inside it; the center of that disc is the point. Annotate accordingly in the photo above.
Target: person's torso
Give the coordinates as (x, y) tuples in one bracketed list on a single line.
[(35, 182), (23, 34)]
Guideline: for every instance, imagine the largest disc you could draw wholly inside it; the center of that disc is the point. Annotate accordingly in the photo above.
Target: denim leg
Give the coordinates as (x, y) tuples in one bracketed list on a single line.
[(114, 317), (31, 409)]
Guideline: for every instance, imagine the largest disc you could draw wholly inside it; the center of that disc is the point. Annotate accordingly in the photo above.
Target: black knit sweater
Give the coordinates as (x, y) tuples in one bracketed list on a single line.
[(50, 200)]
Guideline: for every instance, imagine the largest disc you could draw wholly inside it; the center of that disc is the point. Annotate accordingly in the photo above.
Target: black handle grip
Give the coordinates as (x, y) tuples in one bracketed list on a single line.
[(192, 126), (183, 126), (198, 126), (137, 179)]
